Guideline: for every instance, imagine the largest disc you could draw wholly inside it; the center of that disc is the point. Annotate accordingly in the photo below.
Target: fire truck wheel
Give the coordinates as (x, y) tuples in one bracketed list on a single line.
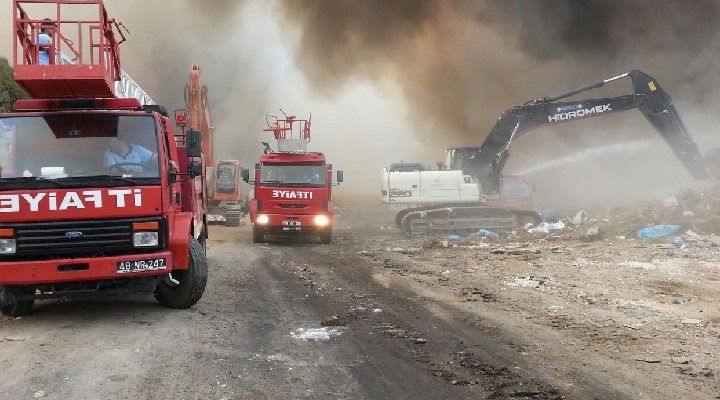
[(186, 287), (326, 235), (10, 306), (258, 235)]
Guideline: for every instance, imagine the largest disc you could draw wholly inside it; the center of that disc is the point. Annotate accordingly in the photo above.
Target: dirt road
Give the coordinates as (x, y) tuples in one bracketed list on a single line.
[(376, 315)]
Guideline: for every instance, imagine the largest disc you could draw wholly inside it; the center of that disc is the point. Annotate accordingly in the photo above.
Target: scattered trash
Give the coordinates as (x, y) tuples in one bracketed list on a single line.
[(314, 334), (488, 233), (459, 238), (524, 282), (688, 214), (670, 202), (515, 251), (680, 360), (592, 234), (715, 240), (545, 227), (691, 321), (679, 242), (580, 218), (481, 232), (657, 231)]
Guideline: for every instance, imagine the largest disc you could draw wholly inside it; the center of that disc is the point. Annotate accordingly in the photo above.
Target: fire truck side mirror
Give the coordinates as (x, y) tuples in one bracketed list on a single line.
[(245, 173), (195, 168), (339, 176), (193, 143)]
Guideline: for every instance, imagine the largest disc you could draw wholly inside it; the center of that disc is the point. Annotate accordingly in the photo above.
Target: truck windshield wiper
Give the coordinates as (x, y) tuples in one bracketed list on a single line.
[(34, 179), (106, 176)]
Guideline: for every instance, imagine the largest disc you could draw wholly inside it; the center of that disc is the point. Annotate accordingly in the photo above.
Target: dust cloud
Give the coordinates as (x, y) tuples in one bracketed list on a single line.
[(459, 64), (402, 80)]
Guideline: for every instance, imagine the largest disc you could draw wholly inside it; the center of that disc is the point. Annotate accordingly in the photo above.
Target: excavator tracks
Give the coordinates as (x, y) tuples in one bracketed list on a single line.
[(461, 219)]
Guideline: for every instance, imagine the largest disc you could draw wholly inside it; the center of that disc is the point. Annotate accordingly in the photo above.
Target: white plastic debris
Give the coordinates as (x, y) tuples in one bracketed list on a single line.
[(670, 202), (580, 218), (545, 227), (314, 334)]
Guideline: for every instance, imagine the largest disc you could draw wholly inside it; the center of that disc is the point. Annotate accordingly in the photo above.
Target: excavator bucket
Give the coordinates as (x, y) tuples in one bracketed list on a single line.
[(662, 115), (712, 162)]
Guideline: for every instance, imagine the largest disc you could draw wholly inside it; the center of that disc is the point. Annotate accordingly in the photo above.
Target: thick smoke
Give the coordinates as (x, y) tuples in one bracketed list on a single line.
[(457, 59), (460, 63), (166, 40)]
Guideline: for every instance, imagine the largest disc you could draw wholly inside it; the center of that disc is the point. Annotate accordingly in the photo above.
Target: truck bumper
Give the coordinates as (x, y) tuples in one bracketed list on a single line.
[(280, 224), (85, 269)]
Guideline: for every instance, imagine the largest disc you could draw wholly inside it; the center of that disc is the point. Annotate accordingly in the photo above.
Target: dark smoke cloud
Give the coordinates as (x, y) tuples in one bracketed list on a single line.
[(462, 62), (167, 38)]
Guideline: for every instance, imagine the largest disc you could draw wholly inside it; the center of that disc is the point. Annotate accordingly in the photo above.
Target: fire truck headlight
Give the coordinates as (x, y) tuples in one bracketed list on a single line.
[(262, 219), (145, 239), (321, 220), (7, 246)]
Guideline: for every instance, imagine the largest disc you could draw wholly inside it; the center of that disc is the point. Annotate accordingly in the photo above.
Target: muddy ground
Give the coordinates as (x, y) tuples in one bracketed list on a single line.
[(377, 315)]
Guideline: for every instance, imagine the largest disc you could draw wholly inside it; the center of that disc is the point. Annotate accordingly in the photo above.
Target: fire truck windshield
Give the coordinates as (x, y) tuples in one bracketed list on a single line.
[(299, 174), (63, 146)]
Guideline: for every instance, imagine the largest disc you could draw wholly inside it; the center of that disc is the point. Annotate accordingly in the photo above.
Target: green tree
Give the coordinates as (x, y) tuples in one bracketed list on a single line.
[(9, 89)]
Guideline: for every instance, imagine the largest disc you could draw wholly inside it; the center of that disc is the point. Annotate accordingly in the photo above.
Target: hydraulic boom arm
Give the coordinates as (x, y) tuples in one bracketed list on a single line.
[(655, 104)]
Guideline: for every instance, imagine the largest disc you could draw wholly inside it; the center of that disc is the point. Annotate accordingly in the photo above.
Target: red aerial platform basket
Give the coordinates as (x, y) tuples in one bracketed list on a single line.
[(83, 57)]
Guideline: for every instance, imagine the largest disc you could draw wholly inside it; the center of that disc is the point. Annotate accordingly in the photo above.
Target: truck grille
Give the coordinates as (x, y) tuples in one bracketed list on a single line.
[(78, 238), (292, 205)]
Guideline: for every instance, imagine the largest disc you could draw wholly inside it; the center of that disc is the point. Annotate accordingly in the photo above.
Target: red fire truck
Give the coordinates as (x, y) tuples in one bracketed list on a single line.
[(97, 194), (292, 187)]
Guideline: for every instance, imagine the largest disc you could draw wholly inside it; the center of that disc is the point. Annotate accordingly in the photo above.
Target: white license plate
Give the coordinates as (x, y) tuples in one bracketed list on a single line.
[(148, 264), (292, 225)]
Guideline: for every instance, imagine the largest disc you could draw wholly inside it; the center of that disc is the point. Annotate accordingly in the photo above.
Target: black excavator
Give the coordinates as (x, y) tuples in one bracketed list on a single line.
[(482, 166)]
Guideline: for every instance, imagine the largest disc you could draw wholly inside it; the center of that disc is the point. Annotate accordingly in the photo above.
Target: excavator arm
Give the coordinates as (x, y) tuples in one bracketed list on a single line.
[(487, 162)]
